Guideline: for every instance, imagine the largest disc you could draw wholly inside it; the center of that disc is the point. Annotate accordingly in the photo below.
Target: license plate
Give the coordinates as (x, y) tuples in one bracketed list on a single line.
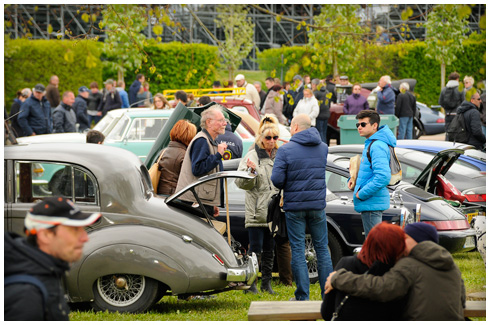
[(470, 242), (470, 216)]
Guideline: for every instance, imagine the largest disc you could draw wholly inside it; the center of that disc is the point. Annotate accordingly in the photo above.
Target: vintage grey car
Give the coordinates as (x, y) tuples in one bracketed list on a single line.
[(144, 246)]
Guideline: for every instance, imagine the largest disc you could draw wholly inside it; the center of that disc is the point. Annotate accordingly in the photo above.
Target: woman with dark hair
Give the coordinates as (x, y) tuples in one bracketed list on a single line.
[(171, 162), (259, 162), (384, 245), (93, 102)]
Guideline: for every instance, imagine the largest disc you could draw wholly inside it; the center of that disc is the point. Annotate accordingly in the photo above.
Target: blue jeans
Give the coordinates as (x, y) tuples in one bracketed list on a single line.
[(316, 221), (370, 219), (322, 127), (405, 128), (260, 239)]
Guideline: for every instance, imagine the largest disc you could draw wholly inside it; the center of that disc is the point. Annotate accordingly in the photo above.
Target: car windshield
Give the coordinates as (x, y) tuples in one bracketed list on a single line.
[(117, 131), (106, 124)]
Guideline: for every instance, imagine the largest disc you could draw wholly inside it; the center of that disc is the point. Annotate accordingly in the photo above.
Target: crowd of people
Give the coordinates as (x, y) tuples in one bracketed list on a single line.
[(402, 271)]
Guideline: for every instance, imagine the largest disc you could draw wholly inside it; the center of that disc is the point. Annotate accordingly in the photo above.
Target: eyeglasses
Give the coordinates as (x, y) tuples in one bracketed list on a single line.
[(477, 99), (220, 120), (269, 137), (363, 124)]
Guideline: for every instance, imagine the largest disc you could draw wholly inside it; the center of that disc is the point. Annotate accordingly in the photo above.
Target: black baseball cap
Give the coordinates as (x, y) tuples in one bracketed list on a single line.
[(54, 211)]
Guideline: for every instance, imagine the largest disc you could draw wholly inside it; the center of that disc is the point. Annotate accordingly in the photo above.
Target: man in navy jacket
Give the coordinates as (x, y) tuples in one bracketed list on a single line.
[(386, 96), (299, 169), (135, 88), (35, 113)]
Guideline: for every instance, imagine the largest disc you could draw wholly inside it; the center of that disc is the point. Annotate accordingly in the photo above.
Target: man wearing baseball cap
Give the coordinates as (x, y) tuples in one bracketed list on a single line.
[(80, 108), (427, 279), (35, 113), (250, 90), (35, 266)]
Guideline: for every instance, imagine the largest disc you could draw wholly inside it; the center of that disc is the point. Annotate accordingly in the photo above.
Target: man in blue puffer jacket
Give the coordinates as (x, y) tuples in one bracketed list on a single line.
[(371, 194), (299, 169)]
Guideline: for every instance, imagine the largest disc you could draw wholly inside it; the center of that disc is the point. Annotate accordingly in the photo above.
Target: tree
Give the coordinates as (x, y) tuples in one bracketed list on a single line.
[(337, 38), (239, 33), (124, 42), (446, 29)]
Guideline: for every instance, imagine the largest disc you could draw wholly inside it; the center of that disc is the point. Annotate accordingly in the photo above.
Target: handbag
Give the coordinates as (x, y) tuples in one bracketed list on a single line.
[(354, 164), (276, 218), (155, 172)]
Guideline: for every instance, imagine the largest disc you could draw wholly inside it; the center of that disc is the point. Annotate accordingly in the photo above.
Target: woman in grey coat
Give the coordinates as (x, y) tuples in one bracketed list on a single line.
[(259, 161)]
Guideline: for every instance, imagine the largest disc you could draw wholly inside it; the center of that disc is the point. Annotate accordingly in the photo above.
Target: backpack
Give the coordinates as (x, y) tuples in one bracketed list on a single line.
[(28, 279), (456, 130), (449, 100), (395, 167)]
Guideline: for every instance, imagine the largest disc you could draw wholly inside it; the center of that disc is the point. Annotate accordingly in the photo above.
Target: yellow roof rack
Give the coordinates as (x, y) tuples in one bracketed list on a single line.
[(211, 92)]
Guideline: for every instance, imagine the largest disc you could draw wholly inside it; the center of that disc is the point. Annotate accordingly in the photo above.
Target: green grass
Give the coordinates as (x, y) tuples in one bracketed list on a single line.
[(250, 76), (233, 305)]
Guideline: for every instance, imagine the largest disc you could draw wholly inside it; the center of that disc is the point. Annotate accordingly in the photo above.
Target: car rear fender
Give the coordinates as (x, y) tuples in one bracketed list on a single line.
[(161, 255), (334, 228)]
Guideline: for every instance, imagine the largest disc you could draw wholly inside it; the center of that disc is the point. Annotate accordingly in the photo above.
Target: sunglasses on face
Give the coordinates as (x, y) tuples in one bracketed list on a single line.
[(363, 124), (269, 137)]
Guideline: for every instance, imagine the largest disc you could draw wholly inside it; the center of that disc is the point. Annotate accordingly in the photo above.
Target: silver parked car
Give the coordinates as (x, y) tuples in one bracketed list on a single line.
[(144, 246)]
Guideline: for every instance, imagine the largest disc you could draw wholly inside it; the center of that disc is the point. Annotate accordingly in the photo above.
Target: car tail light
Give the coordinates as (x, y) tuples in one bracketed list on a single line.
[(476, 197), (450, 225), (441, 120), (220, 261)]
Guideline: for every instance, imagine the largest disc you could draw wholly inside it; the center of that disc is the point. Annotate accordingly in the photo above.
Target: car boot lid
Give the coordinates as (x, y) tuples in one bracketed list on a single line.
[(440, 164)]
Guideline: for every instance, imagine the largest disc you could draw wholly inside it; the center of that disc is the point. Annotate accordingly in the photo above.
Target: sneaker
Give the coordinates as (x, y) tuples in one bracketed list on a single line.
[(293, 299)]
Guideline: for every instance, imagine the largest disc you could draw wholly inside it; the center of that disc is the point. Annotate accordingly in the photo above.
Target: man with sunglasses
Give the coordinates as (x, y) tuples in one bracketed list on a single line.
[(371, 196), (472, 121)]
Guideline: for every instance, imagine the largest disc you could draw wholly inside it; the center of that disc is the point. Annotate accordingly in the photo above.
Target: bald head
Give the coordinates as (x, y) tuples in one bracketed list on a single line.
[(300, 123)]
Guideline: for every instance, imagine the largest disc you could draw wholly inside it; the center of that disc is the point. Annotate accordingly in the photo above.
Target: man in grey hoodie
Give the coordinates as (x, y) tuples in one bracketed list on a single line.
[(450, 98), (427, 278)]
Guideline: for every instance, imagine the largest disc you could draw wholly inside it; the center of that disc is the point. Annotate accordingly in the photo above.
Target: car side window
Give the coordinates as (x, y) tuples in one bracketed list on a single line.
[(36, 180), (152, 127), (410, 173), (335, 182)]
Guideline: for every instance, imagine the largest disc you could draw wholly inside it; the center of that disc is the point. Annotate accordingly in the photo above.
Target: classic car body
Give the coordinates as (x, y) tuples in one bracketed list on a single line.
[(415, 163), (143, 247)]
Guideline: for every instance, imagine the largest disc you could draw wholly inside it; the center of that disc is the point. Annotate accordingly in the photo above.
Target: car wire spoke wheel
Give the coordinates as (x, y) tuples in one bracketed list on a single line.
[(311, 260), (121, 289)]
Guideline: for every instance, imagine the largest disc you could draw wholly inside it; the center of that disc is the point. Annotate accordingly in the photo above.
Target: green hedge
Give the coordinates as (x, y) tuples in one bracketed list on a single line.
[(178, 66), (399, 60), (30, 62)]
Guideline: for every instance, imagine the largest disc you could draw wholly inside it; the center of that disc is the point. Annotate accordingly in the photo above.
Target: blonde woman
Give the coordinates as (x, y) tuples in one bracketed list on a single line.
[(259, 161)]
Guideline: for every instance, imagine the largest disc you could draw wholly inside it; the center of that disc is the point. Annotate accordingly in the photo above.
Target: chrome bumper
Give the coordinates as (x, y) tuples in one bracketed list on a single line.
[(246, 274)]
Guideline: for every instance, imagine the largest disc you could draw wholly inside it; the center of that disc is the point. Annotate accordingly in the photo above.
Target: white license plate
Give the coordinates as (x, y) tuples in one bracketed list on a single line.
[(470, 242)]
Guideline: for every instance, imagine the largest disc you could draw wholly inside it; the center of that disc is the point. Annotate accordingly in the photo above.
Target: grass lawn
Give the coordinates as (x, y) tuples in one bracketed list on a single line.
[(233, 305), (250, 76)]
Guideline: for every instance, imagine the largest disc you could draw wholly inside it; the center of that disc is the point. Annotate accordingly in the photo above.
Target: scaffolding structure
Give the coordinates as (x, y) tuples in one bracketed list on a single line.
[(55, 20)]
